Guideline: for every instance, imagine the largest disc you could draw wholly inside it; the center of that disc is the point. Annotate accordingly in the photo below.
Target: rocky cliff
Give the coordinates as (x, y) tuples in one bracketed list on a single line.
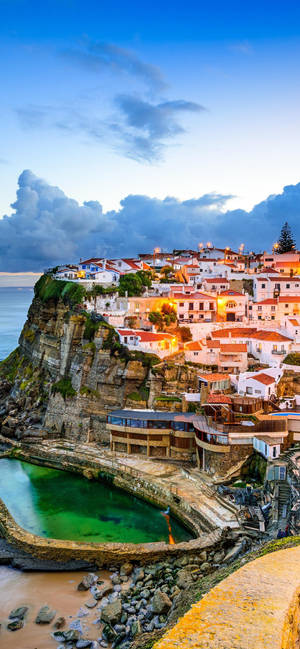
[(70, 370)]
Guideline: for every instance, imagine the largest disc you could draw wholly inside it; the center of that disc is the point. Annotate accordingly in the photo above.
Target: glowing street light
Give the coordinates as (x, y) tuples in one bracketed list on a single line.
[(209, 244)]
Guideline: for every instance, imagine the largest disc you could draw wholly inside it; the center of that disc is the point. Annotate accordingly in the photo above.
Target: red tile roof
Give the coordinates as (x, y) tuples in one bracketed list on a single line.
[(266, 379), (289, 299), (193, 296), (145, 336), (270, 335), (233, 293), (213, 344), (268, 300), (194, 346), (234, 332), (211, 377), (235, 347), (219, 398)]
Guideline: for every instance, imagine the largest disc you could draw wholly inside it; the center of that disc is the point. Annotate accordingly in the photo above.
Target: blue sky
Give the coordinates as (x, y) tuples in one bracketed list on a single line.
[(151, 99)]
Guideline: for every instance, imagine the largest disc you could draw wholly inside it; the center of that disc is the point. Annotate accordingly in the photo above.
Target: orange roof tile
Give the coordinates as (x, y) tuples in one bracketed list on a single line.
[(219, 398), (233, 293), (193, 346), (235, 347), (211, 377), (234, 332), (266, 379), (289, 299), (213, 344), (270, 335)]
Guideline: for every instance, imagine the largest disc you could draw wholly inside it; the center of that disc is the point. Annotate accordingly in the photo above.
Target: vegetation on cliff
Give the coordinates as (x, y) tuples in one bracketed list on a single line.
[(48, 288), (64, 387)]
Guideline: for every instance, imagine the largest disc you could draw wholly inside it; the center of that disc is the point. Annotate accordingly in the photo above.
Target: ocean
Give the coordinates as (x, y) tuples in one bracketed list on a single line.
[(14, 304)]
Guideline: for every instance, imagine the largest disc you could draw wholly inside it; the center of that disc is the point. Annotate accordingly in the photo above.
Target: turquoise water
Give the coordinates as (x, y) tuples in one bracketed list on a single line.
[(14, 304), (61, 505)]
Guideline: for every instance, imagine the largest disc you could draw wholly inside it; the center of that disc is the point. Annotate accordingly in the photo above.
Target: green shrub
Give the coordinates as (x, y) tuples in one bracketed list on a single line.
[(88, 392), (292, 359), (91, 326), (64, 387), (48, 288), (135, 396), (170, 398)]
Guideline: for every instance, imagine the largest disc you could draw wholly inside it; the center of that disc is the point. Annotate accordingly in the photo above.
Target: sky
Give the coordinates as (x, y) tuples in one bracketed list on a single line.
[(130, 125)]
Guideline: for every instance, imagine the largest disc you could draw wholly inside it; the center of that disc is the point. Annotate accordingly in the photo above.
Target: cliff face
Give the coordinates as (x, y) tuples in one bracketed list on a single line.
[(69, 372)]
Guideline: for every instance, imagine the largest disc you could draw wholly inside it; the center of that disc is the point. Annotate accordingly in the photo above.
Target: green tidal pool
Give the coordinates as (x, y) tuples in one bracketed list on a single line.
[(61, 505)]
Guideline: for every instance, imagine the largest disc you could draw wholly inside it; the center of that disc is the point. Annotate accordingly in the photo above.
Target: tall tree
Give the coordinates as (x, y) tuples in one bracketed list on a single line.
[(286, 240)]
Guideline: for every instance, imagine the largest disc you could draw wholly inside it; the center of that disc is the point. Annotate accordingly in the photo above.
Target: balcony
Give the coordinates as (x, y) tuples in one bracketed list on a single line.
[(280, 352)]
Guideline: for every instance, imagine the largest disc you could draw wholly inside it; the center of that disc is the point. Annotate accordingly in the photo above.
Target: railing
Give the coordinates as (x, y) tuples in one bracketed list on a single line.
[(280, 352)]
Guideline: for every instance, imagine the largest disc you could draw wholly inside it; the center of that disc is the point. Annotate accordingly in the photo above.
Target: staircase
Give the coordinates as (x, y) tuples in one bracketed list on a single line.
[(284, 497)]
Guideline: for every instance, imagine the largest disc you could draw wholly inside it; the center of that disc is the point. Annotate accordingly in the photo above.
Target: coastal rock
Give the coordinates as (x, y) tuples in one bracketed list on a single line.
[(18, 613), (60, 622), (112, 612), (161, 603), (15, 625), (91, 603), (45, 615), (126, 569), (86, 582)]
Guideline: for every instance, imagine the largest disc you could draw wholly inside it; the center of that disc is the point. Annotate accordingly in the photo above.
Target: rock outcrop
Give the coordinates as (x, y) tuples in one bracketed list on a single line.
[(70, 370)]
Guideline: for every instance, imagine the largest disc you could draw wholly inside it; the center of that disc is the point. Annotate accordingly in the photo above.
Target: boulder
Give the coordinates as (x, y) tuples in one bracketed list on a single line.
[(136, 628), (91, 603), (126, 568), (16, 624), (103, 592), (83, 644), (235, 551), (60, 622), (183, 578), (45, 615), (160, 602), (18, 613), (86, 582), (219, 556), (112, 612)]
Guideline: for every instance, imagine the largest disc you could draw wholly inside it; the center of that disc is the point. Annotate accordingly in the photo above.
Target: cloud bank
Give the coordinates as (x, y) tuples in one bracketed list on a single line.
[(48, 228)]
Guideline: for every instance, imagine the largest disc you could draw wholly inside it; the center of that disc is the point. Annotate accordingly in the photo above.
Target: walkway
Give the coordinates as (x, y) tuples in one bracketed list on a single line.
[(255, 608)]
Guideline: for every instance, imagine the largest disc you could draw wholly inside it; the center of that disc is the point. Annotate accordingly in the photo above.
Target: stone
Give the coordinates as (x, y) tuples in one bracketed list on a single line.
[(145, 594), (106, 590), (108, 633), (183, 578), (136, 628), (219, 556), (83, 644), (235, 551), (205, 566), (139, 575), (45, 615), (124, 579), (60, 622), (202, 556), (15, 625), (91, 603), (59, 636), (115, 579), (71, 635), (119, 628), (112, 612), (18, 613), (126, 568), (161, 603), (86, 582)]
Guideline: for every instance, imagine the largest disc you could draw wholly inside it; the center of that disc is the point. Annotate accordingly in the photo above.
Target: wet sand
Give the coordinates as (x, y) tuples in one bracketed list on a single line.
[(57, 590)]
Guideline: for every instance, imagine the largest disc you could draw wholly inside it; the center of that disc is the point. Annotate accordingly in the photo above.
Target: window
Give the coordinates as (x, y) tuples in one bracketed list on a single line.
[(274, 348), (250, 307), (191, 306), (211, 306), (249, 390), (273, 308), (277, 286), (286, 306), (259, 308), (288, 286), (201, 306), (263, 286), (274, 451), (231, 305), (196, 353), (181, 303), (181, 315)]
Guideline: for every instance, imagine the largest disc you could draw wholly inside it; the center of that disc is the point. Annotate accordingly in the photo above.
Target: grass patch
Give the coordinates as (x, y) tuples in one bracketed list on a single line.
[(169, 398), (10, 366), (48, 288), (64, 387), (88, 392)]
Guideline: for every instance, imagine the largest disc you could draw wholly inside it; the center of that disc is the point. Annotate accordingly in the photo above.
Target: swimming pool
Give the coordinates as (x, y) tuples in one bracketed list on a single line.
[(284, 414)]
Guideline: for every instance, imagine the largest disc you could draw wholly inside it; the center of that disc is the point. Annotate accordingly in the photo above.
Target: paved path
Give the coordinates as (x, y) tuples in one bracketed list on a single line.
[(248, 610)]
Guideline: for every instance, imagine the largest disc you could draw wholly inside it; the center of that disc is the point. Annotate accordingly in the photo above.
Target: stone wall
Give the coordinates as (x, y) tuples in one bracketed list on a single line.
[(220, 463)]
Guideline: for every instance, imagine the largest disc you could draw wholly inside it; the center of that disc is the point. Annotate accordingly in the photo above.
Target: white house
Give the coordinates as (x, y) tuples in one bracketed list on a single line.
[(258, 384), (195, 307), (270, 347), (162, 344), (268, 446), (270, 287)]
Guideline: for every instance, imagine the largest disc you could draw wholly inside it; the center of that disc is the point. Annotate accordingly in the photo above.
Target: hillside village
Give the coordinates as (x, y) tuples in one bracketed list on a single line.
[(232, 316)]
